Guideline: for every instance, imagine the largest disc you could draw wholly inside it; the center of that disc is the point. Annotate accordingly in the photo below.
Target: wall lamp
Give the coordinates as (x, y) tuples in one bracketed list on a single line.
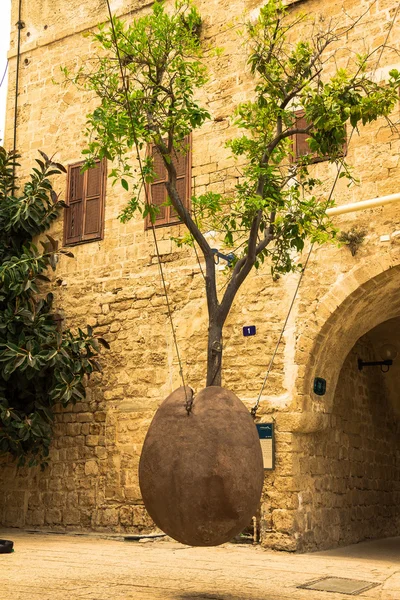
[(388, 353)]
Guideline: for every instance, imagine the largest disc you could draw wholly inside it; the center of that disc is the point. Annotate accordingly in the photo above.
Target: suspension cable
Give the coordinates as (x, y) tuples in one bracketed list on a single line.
[(189, 399), (4, 74), (271, 363)]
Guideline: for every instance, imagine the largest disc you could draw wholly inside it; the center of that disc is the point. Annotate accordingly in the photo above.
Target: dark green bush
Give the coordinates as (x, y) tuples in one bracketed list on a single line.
[(40, 365)]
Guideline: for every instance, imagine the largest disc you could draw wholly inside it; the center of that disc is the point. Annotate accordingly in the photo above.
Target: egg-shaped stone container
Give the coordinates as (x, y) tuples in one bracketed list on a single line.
[(201, 475)]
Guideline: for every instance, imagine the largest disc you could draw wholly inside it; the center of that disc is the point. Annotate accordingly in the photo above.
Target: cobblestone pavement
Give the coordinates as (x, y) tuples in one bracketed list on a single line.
[(68, 567)]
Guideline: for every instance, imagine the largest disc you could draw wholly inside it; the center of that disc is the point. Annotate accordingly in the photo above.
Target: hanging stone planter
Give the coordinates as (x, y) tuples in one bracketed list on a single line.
[(201, 475)]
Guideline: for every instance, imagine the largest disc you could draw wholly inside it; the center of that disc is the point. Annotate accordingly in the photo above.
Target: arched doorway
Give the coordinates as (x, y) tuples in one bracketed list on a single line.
[(350, 469)]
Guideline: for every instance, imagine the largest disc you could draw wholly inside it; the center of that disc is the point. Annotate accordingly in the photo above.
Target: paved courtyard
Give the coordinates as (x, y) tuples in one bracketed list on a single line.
[(68, 567)]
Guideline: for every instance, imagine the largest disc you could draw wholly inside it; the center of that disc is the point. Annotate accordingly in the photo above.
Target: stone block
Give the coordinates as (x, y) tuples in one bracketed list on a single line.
[(91, 468), (71, 516)]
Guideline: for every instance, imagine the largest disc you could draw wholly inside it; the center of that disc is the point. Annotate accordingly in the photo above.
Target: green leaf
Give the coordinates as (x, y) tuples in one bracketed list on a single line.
[(67, 253), (103, 342)]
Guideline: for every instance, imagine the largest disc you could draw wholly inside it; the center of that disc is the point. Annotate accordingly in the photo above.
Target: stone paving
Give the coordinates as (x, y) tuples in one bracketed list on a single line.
[(72, 567)]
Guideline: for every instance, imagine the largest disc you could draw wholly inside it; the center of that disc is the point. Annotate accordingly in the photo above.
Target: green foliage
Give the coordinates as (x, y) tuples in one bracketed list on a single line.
[(40, 365), (288, 76), (153, 98), (353, 238)]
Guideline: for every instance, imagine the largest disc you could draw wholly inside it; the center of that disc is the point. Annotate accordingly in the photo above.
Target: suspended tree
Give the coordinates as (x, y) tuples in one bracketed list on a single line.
[(41, 364), (147, 78)]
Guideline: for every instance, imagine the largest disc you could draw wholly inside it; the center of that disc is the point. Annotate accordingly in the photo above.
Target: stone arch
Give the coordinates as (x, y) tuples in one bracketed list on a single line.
[(367, 296), (347, 462)]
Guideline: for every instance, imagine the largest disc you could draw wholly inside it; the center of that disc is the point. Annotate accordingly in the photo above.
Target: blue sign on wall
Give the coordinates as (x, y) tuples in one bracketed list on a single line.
[(265, 431), (249, 330)]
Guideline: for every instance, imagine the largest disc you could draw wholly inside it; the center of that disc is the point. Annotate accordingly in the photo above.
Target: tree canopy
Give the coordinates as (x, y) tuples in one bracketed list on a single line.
[(147, 77)]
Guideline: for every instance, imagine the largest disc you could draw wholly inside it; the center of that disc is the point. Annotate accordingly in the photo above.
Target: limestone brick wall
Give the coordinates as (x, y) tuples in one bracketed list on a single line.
[(114, 285)]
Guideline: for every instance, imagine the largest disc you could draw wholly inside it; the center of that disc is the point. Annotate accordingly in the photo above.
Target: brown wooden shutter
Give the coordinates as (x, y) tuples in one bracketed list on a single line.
[(157, 191), (182, 162), (93, 206), (301, 144), (84, 217), (74, 212)]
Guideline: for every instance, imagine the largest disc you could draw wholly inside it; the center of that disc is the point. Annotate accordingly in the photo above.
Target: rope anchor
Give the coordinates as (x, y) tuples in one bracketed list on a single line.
[(189, 401)]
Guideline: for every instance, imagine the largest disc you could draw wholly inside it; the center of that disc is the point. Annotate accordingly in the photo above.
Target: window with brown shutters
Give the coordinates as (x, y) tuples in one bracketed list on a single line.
[(157, 192), (84, 217), (300, 143)]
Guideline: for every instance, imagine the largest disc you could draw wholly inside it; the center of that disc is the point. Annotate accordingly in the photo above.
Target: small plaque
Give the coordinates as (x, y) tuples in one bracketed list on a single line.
[(249, 330), (267, 441), (319, 386)]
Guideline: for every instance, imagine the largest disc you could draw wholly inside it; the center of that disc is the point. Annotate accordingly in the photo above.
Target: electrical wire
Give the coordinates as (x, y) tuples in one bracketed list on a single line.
[(189, 400), (271, 363), (20, 26)]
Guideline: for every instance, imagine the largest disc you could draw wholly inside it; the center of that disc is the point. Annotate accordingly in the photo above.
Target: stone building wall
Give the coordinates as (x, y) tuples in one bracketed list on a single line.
[(114, 284)]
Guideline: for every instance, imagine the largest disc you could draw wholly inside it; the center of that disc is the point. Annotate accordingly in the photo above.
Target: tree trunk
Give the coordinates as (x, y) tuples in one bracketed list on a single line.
[(214, 354)]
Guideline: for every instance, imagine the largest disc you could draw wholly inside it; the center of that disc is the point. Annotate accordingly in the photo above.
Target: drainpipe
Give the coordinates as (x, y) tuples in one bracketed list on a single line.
[(363, 205)]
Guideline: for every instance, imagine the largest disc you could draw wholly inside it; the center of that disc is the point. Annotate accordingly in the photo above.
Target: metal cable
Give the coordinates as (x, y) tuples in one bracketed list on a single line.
[(189, 400), (4, 74), (387, 36), (271, 363), (198, 258)]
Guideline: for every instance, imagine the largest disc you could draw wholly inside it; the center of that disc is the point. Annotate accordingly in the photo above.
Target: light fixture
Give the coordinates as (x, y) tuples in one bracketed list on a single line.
[(388, 353)]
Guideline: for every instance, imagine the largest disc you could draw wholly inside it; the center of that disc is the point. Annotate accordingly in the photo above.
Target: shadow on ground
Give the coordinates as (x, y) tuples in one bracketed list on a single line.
[(377, 550)]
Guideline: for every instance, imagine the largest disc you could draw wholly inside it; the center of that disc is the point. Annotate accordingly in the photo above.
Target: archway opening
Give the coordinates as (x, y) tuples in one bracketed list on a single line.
[(351, 469)]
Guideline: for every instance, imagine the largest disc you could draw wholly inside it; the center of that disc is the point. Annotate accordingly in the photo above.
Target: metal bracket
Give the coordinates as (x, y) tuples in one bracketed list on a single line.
[(375, 363), (216, 347), (228, 257)]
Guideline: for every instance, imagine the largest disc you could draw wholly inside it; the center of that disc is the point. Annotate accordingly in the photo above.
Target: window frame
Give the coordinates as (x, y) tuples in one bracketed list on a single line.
[(102, 197), (170, 222)]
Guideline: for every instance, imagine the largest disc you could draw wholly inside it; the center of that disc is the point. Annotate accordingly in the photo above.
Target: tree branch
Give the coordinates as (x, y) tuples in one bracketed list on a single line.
[(210, 281)]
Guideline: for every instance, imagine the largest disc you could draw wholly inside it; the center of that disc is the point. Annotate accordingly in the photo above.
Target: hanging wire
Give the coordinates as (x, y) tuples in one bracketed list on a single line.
[(3, 78), (197, 254), (198, 258), (4, 75), (188, 398), (271, 363), (387, 36)]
